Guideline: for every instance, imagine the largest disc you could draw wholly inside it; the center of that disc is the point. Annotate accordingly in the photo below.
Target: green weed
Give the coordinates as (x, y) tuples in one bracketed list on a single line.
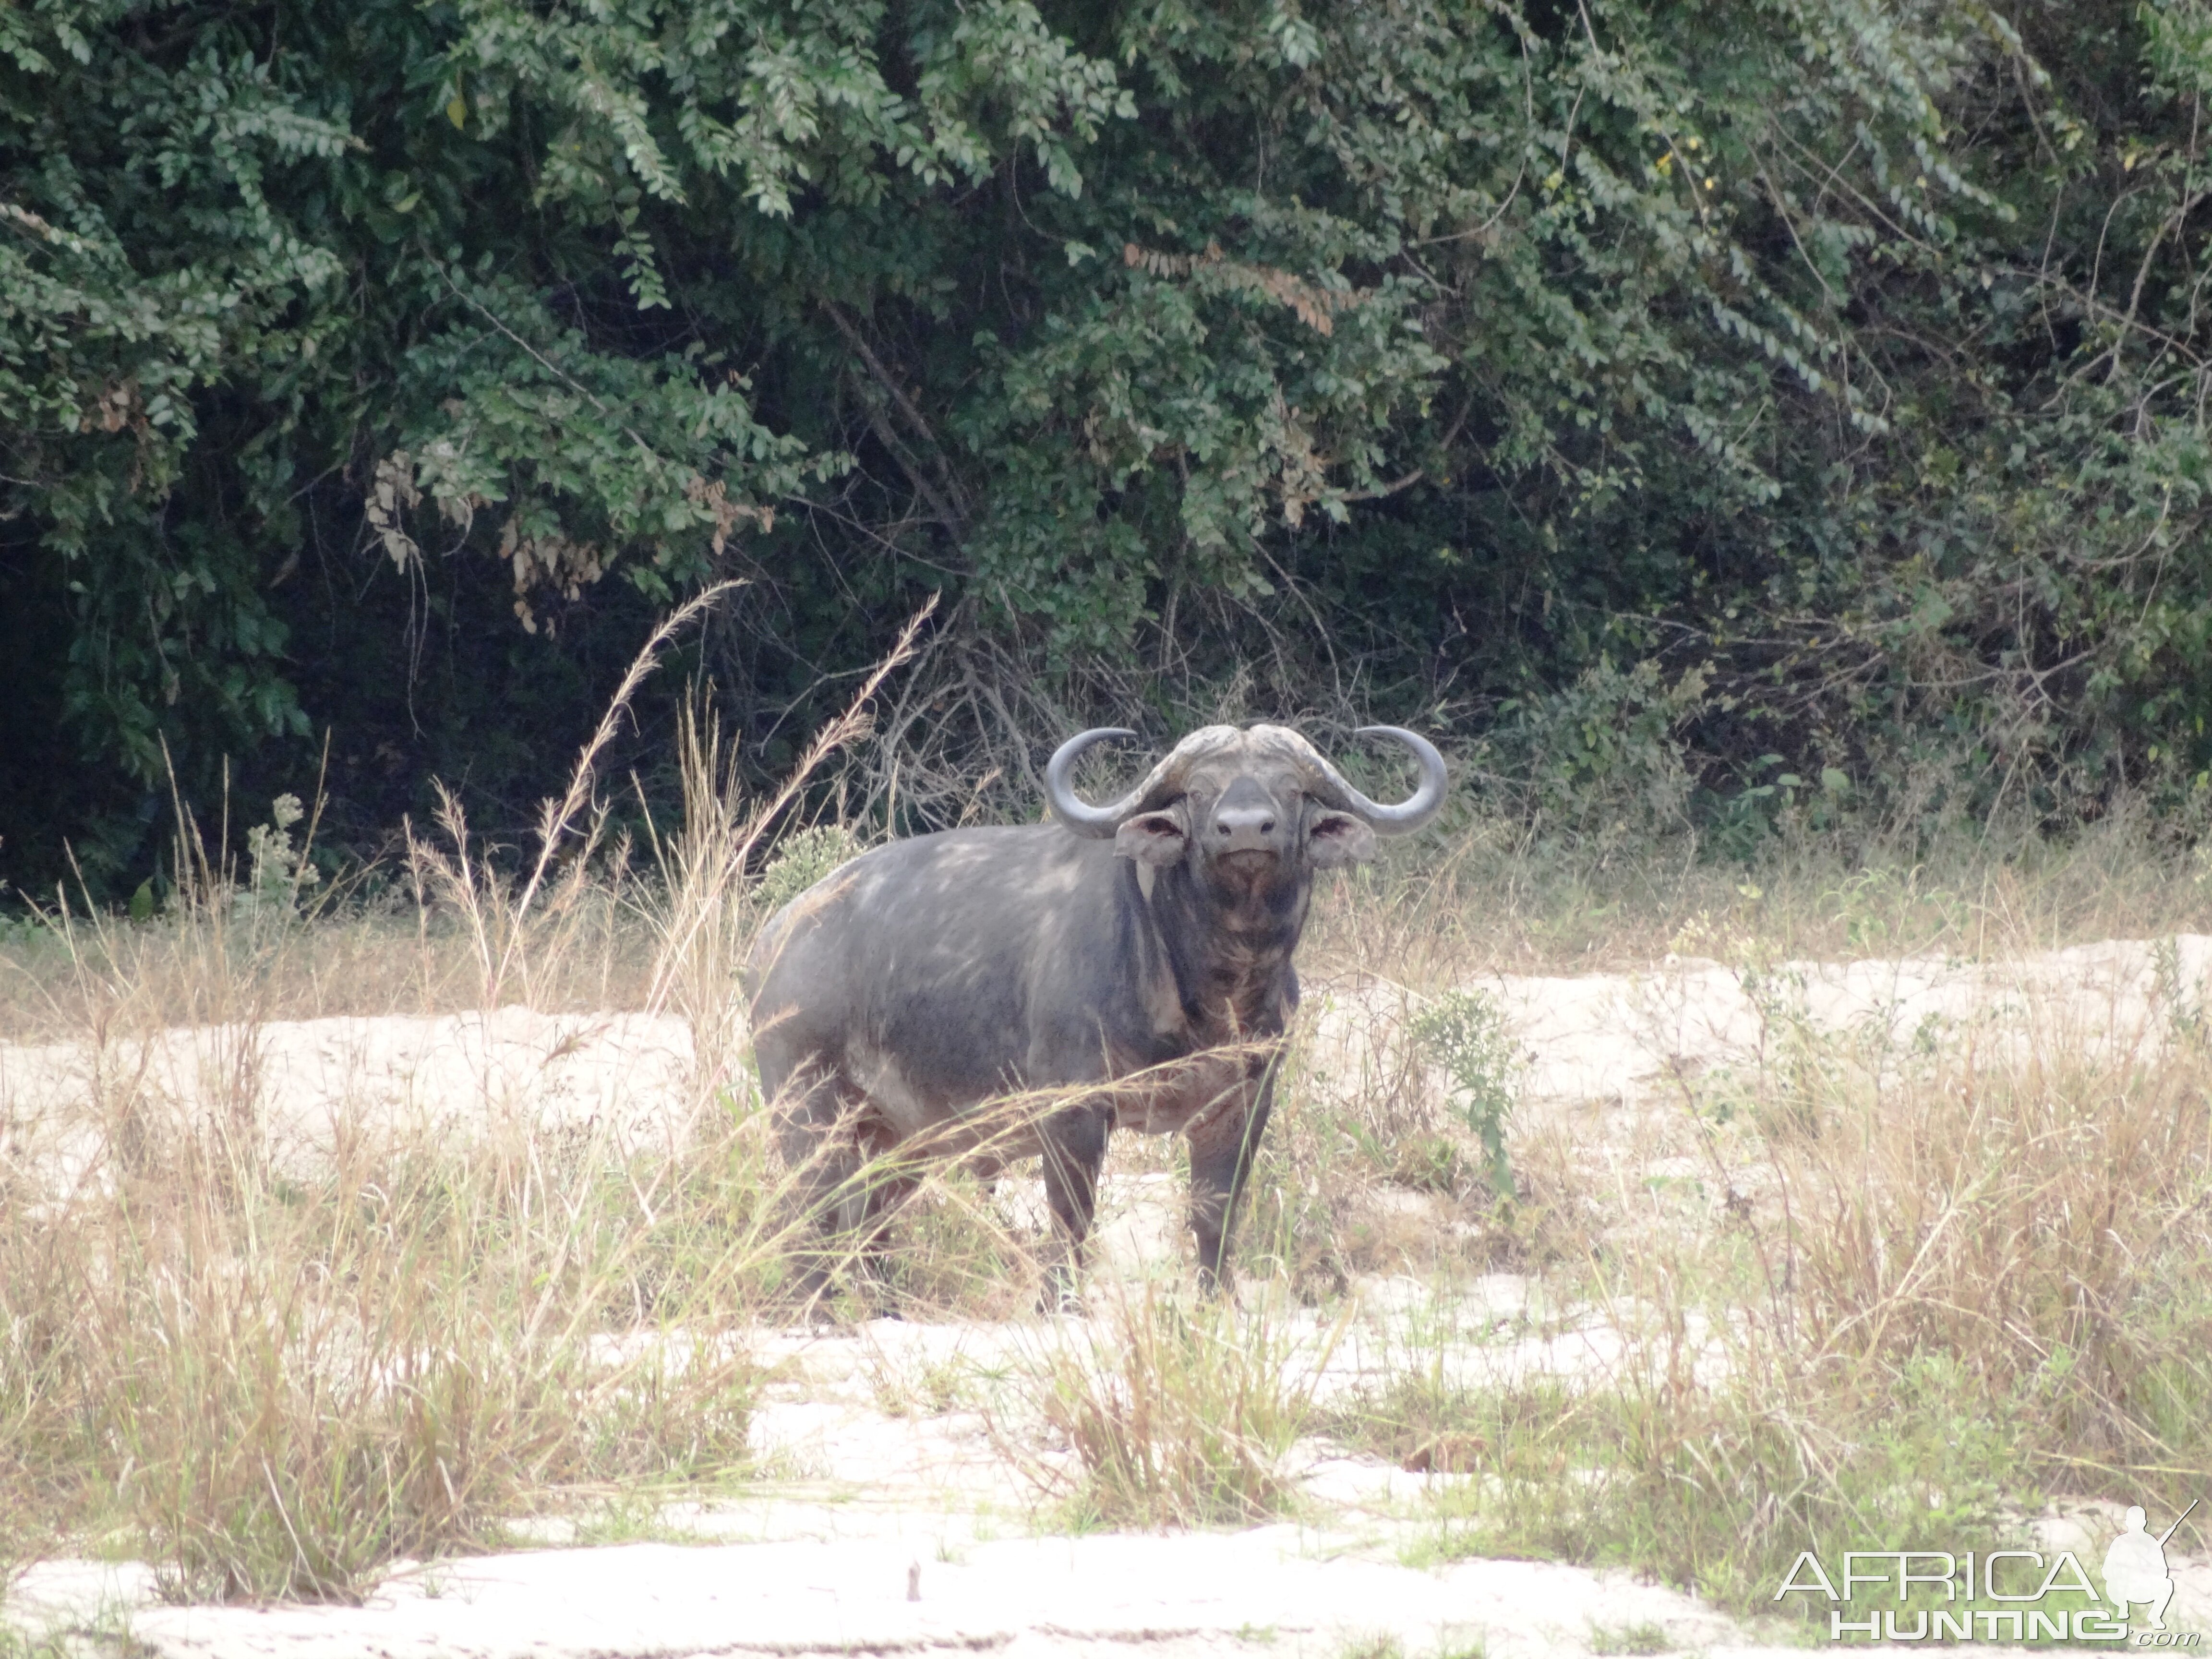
[(801, 860), (1467, 1031), (1634, 1639)]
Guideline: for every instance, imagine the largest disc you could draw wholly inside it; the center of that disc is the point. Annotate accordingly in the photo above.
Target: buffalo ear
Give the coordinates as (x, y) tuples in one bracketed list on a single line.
[(1335, 838), (1151, 838)]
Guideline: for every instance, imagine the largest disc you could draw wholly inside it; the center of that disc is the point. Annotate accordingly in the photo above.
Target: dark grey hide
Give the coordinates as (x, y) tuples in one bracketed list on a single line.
[(1138, 954)]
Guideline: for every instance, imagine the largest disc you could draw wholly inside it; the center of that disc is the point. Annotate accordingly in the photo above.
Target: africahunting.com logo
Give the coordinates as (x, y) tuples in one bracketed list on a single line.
[(2003, 1595)]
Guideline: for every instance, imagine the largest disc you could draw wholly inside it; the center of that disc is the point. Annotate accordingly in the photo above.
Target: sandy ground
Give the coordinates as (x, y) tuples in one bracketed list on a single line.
[(1629, 1039), (895, 1530), (1273, 1590)]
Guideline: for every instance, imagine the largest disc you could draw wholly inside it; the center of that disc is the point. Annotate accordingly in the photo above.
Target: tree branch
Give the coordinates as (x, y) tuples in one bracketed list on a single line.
[(905, 406)]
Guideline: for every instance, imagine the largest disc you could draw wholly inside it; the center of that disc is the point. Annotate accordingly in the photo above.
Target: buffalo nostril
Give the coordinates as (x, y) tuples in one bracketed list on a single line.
[(1246, 829)]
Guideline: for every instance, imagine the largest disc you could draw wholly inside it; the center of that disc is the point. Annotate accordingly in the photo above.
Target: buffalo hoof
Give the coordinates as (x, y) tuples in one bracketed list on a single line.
[(1060, 1295)]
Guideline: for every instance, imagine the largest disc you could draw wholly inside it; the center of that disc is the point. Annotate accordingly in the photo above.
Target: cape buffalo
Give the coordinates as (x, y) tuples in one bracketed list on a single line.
[(1133, 960)]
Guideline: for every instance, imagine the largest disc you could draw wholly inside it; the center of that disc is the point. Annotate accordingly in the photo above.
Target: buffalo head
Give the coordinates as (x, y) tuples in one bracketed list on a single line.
[(1245, 806)]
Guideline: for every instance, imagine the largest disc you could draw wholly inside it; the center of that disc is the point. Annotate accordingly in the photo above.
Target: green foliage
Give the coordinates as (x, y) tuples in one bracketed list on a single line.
[(1468, 1033), (278, 871), (1712, 400), (1647, 1637), (800, 861)]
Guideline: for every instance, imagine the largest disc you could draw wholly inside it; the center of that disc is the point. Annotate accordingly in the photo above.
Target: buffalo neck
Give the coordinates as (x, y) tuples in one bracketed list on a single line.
[(1229, 945)]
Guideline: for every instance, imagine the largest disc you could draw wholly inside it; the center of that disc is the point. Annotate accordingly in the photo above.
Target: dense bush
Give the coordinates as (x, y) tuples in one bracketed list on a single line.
[(1720, 406)]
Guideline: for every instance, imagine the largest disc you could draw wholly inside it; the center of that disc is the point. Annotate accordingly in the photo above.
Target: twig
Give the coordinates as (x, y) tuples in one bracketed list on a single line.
[(539, 357), (1384, 491), (852, 723), (956, 515), (554, 821)]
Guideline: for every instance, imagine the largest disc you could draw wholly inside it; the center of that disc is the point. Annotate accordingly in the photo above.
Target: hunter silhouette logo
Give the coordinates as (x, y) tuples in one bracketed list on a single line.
[(2008, 1595), (2135, 1567)]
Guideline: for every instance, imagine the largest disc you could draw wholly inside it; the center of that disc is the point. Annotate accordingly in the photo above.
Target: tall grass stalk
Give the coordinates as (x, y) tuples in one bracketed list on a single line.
[(699, 913), (272, 1375)]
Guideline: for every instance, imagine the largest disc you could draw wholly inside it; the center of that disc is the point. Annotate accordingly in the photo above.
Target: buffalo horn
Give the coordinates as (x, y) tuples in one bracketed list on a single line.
[(1409, 814), (1097, 822), (1162, 784)]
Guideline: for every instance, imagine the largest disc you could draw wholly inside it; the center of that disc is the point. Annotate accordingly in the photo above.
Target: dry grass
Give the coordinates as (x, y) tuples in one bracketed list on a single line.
[(1908, 1297), (1903, 1299), (1483, 895), (279, 1385), (371, 951), (270, 1376), (275, 1376), (1166, 1413), (1905, 1293)]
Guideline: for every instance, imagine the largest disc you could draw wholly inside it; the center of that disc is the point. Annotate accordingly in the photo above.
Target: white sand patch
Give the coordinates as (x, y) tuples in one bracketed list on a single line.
[(1627, 1038), (299, 1085), (1279, 1590)]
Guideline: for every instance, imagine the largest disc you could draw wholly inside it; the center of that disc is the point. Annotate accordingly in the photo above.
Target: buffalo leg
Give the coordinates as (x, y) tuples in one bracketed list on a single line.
[(1222, 1147), (885, 1198), (820, 1130), (1074, 1152)]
